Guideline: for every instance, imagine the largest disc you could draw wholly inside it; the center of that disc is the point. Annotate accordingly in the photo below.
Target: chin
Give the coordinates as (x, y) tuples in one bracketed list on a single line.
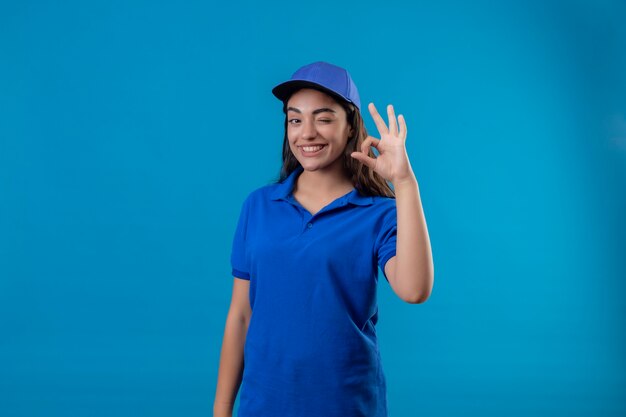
[(310, 167)]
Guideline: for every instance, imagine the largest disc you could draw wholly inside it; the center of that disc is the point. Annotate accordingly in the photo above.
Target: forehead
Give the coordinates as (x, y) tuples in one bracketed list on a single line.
[(308, 99)]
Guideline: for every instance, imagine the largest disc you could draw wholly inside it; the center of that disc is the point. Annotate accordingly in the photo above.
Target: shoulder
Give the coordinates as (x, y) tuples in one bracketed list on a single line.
[(384, 213), (382, 200), (261, 194), (383, 204)]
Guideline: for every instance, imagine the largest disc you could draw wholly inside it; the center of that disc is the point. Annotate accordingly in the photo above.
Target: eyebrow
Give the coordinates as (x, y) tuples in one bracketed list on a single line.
[(322, 110)]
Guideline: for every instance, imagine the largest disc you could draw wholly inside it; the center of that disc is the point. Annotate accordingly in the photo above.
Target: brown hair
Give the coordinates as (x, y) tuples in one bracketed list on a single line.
[(364, 179)]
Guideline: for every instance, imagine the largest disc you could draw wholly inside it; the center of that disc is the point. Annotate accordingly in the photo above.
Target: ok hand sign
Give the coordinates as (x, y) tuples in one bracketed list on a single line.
[(392, 162)]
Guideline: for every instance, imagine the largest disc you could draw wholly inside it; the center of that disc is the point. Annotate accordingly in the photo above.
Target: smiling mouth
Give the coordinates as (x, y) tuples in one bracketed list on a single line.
[(312, 149)]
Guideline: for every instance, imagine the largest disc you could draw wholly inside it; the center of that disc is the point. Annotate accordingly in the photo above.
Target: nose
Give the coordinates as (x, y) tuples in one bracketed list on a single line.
[(308, 130)]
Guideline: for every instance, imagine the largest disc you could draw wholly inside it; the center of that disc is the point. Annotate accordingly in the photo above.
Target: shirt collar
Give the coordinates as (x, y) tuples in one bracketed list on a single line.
[(283, 190)]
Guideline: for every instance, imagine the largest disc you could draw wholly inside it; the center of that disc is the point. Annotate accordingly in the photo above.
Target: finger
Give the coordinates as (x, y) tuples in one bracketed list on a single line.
[(366, 160), (393, 127), (402, 126), (369, 141), (380, 123)]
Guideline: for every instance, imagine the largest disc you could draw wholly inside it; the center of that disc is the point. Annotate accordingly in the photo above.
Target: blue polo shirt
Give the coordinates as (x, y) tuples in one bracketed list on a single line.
[(311, 347)]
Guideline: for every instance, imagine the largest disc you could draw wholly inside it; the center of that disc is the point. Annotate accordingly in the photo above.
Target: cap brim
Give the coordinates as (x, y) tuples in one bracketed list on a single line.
[(284, 90)]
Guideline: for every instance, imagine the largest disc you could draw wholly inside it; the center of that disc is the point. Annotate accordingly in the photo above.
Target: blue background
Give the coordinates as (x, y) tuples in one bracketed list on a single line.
[(131, 132)]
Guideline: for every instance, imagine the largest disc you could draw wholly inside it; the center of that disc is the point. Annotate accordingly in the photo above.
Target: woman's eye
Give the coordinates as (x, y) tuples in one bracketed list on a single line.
[(294, 121)]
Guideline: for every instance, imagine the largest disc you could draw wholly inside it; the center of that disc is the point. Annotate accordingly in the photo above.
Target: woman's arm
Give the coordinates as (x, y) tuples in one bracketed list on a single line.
[(411, 271), (231, 358)]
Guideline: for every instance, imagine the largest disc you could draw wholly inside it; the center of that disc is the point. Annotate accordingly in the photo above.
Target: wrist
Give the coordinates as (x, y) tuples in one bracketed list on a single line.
[(408, 180)]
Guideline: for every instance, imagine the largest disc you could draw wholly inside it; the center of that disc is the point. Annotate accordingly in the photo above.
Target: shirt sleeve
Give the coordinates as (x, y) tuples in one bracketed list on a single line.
[(238, 258), (386, 239)]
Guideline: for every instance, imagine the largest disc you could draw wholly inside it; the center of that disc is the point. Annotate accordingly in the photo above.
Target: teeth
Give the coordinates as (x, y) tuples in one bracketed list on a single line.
[(312, 148)]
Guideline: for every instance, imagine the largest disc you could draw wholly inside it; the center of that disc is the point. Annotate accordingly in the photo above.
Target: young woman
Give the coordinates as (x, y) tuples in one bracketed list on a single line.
[(300, 334)]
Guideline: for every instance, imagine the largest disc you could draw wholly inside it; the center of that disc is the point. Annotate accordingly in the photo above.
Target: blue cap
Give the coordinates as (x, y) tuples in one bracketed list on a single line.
[(322, 76)]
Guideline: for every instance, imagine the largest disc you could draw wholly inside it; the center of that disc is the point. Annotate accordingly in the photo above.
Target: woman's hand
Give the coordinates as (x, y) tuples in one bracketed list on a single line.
[(392, 162)]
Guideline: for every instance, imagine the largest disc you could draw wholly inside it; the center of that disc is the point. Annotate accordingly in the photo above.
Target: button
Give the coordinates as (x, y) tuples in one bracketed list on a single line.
[(309, 225)]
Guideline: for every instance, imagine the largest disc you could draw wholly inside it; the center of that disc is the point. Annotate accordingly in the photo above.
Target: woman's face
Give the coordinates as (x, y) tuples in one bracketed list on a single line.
[(317, 129)]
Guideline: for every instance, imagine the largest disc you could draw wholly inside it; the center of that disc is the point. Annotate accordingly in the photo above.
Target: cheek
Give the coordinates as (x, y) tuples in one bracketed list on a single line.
[(290, 138), (292, 146), (291, 135)]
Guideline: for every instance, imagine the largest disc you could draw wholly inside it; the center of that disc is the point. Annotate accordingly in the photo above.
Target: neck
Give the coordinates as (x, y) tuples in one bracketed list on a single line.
[(324, 181)]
